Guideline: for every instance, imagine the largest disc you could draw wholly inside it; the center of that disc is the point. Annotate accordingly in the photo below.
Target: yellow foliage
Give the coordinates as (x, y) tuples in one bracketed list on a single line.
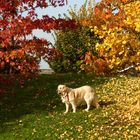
[(120, 45), (132, 11)]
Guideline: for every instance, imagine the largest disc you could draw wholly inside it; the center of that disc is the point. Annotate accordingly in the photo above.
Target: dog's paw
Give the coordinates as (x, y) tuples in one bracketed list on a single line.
[(65, 112), (86, 110)]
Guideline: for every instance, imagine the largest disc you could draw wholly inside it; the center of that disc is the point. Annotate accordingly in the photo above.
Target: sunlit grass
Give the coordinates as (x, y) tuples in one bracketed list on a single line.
[(36, 111)]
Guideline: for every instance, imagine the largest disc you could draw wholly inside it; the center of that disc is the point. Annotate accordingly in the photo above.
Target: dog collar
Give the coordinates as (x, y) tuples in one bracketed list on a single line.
[(66, 97)]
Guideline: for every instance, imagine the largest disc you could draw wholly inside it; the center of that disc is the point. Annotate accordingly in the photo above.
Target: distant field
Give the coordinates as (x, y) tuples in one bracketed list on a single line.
[(35, 112), (46, 71)]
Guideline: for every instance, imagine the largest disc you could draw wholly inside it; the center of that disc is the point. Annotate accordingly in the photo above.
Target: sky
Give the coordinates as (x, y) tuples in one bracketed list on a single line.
[(51, 11)]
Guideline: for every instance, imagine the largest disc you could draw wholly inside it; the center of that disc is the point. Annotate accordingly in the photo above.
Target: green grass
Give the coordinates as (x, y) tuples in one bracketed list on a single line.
[(35, 112)]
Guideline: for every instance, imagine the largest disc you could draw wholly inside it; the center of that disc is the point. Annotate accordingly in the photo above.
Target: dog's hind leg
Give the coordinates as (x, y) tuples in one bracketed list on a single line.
[(88, 102)]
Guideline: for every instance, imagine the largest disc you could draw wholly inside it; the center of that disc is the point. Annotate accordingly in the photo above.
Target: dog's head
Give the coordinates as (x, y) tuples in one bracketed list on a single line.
[(61, 89)]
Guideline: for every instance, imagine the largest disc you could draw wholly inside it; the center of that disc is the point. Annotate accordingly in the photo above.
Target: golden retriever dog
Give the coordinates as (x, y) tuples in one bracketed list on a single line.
[(76, 96)]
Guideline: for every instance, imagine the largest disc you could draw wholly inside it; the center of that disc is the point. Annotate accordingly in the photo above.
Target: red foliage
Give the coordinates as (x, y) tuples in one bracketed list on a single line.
[(20, 51)]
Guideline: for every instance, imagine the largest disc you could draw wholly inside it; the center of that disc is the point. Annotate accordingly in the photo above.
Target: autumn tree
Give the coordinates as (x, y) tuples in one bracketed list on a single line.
[(72, 45), (20, 50), (117, 24)]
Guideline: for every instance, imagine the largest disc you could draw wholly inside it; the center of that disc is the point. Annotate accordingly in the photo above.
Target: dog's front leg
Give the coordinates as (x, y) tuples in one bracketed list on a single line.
[(73, 106), (67, 108)]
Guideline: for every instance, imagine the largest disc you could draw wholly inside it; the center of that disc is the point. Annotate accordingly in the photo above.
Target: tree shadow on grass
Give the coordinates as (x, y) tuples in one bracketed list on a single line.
[(107, 103), (39, 96)]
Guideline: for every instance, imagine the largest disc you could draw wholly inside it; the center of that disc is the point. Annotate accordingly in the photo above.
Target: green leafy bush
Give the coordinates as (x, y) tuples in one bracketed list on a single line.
[(71, 47)]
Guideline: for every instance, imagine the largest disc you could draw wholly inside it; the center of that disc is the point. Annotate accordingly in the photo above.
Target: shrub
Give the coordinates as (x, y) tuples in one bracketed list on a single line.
[(71, 47)]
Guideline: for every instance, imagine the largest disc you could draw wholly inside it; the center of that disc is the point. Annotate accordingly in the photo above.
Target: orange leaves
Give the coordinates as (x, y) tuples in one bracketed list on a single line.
[(85, 22), (88, 57), (105, 14), (101, 52), (109, 12), (124, 1), (101, 66), (13, 54), (94, 64)]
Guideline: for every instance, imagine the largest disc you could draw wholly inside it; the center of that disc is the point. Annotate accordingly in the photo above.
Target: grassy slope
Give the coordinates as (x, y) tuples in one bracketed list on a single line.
[(36, 111)]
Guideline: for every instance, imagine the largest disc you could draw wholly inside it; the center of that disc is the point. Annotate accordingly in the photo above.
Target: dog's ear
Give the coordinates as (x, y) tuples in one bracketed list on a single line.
[(65, 89)]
